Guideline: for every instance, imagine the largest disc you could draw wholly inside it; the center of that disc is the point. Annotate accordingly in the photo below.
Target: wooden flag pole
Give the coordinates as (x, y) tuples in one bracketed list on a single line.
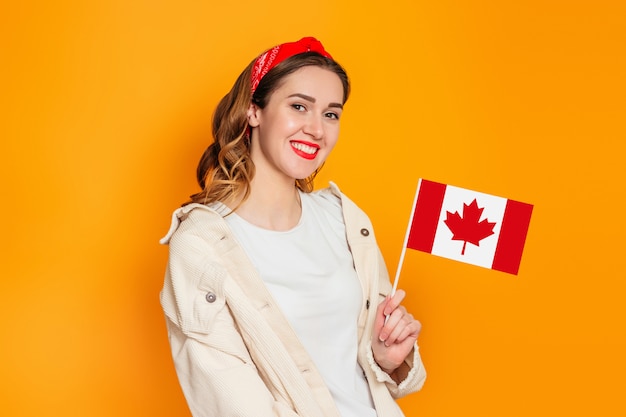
[(406, 239)]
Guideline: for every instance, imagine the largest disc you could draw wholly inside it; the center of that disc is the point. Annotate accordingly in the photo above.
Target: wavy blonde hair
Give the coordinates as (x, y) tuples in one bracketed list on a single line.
[(225, 169)]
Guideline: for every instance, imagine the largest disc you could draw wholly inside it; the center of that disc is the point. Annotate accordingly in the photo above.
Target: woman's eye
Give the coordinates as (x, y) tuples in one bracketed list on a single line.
[(332, 115), (298, 107)]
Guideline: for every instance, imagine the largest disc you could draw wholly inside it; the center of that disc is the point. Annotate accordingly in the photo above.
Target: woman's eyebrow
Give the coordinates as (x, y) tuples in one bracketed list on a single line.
[(312, 99), (304, 97)]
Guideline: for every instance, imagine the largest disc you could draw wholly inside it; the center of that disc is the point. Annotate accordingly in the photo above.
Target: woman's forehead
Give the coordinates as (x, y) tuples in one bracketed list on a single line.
[(312, 81)]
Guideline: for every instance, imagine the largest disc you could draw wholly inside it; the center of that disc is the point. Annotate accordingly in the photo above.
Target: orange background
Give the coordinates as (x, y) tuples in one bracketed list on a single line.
[(106, 109)]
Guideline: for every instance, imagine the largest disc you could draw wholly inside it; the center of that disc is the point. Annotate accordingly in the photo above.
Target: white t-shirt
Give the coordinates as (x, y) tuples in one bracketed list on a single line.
[(310, 272)]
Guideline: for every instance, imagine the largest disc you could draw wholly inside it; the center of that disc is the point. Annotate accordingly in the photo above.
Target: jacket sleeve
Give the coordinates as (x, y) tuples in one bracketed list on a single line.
[(369, 262), (214, 368), (413, 366)]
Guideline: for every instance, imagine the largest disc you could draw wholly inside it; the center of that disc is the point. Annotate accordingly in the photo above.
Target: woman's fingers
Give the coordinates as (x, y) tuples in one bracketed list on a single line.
[(399, 326), (394, 302)]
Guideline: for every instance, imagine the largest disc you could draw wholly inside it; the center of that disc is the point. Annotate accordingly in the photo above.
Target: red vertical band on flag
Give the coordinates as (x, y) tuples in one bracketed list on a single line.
[(512, 237), (426, 216)]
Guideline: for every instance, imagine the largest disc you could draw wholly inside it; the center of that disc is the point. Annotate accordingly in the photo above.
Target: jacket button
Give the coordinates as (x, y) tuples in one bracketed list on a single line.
[(210, 297), (367, 304), (365, 232)]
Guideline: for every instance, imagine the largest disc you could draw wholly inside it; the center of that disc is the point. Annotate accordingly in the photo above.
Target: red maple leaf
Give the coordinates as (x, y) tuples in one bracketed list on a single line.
[(468, 228)]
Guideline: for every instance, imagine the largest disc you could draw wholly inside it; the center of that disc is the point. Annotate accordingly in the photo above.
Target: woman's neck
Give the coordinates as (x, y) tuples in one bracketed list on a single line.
[(272, 205)]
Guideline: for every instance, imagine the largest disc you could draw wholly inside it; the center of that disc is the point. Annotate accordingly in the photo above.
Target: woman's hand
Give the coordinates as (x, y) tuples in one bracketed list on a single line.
[(393, 339)]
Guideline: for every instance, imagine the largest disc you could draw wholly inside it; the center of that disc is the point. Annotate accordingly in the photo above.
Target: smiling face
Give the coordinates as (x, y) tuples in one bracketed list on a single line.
[(294, 133)]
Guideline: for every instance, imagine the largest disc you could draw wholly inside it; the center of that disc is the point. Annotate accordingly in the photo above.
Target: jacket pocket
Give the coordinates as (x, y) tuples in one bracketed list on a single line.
[(208, 301)]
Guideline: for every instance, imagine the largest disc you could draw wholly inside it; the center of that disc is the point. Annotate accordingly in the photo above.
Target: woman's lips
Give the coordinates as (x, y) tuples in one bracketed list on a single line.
[(305, 150)]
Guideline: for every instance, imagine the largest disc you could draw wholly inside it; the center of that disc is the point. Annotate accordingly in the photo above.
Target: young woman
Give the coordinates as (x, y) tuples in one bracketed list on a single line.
[(277, 298)]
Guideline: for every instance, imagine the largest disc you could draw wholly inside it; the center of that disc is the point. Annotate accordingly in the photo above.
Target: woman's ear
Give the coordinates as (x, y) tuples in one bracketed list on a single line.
[(253, 115)]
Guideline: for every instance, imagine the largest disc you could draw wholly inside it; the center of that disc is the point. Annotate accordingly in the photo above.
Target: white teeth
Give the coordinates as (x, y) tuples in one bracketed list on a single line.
[(304, 148)]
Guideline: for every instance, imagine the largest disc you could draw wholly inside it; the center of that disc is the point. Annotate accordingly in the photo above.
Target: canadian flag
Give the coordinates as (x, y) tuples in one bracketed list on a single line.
[(468, 226)]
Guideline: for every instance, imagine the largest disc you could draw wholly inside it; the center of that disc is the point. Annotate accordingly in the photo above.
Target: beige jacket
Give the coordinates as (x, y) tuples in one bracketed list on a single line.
[(234, 351)]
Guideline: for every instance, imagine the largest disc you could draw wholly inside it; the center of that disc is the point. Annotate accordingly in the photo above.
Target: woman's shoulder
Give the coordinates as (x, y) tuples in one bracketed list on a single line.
[(194, 222), (355, 219), (337, 199), (326, 196)]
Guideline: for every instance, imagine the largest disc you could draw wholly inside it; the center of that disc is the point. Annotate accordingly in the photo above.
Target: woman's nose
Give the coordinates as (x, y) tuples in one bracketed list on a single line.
[(314, 127)]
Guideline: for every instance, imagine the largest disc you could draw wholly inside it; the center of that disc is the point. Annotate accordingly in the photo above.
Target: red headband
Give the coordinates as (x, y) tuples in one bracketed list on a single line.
[(269, 59)]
